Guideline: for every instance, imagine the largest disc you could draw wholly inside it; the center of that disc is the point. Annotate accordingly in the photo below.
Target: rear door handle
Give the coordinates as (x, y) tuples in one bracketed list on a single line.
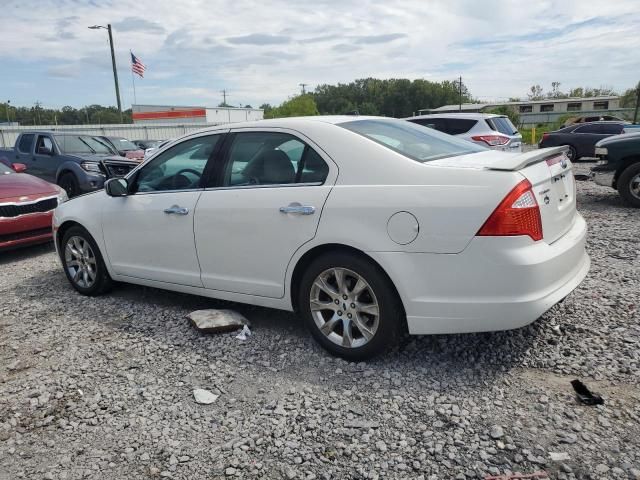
[(176, 210), (298, 209)]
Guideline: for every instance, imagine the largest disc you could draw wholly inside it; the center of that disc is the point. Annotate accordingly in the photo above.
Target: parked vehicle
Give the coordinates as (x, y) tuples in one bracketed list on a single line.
[(619, 166), (144, 144), (592, 118), (492, 131), (420, 230), (124, 147), (150, 151), (581, 138), (26, 207), (78, 163)]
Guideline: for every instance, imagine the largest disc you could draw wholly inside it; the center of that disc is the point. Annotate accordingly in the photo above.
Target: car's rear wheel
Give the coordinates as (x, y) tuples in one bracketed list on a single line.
[(572, 153), (69, 183), (83, 263), (629, 185), (350, 306)]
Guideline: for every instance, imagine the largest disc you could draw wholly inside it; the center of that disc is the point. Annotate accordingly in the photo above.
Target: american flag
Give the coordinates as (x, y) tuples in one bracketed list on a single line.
[(137, 66)]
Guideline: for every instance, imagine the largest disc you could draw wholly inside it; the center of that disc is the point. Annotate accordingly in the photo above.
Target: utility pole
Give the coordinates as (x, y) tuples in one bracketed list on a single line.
[(635, 112), (113, 64), (303, 85), (115, 70), (37, 107), (7, 107), (224, 97), (460, 89)]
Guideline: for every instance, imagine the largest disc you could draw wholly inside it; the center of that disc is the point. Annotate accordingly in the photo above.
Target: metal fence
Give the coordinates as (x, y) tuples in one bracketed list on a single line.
[(9, 134)]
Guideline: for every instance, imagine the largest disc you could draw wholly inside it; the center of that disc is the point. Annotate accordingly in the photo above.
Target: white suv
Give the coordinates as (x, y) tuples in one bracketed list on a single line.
[(486, 129)]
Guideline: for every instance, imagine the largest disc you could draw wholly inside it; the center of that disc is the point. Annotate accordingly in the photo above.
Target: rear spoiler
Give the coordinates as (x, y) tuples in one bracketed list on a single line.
[(522, 160)]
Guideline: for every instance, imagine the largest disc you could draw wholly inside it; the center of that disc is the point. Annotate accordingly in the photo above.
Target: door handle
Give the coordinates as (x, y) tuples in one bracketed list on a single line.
[(176, 210), (298, 209)]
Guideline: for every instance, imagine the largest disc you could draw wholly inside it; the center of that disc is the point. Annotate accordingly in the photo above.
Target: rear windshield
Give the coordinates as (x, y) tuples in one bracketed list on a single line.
[(123, 144), (81, 144), (502, 125), (413, 141)]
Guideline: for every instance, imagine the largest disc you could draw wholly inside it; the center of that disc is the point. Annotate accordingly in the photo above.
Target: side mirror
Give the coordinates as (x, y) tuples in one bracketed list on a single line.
[(117, 187), (18, 167)]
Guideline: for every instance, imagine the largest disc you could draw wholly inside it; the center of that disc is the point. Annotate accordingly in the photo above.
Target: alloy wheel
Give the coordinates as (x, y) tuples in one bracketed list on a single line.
[(80, 262), (344, 307), (634, 186)]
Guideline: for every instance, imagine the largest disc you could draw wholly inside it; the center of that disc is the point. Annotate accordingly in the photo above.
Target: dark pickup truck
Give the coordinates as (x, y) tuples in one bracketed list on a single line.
[(76, 162), (619, 165)]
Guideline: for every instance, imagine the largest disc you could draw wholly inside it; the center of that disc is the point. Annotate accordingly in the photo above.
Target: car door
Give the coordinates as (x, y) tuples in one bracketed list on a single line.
[(149, 233), (45, 163), (24, 151), (586, 138), (264, 204)]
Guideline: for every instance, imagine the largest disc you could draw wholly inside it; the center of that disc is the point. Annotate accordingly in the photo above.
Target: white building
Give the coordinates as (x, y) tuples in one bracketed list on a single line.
[(167, 114)]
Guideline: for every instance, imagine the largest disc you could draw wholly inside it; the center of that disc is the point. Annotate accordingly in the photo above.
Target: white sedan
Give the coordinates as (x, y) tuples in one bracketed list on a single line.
[(365, 226)]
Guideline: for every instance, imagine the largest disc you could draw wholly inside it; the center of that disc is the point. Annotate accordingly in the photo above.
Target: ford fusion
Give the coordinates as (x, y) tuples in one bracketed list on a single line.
[(367, 227)]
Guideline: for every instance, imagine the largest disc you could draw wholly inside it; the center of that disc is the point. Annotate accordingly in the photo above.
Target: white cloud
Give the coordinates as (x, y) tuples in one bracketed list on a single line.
[(261, 51)]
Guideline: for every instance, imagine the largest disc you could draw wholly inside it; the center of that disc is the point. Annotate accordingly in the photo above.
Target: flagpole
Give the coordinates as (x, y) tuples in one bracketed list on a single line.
[(133, 80)]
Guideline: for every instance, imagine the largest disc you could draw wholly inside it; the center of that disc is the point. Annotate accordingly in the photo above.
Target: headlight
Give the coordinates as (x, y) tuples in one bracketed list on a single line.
[(62, 196), (91, 167)]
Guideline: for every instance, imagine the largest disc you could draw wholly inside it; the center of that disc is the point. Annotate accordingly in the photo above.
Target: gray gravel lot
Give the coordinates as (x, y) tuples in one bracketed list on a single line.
[(102, 388)]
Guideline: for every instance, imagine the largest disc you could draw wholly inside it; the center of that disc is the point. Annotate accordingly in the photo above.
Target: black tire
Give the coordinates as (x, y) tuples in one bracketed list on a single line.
[(69, 183), (629, 185), (572, 153), (101, 280), (390, 320)]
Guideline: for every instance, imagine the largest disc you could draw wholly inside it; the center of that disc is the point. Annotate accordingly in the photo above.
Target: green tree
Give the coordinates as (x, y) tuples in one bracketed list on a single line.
[(297, 106), (629, 97), (536, 93)]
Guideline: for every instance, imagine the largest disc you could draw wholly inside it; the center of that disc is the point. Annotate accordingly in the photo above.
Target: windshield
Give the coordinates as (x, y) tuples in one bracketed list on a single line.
[(411, 140), (502, 125), (123, 144), (81, 144)]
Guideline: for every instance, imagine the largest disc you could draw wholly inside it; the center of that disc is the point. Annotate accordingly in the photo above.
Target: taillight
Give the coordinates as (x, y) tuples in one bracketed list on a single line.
[(545, 135), (491, 140), (517, 214)]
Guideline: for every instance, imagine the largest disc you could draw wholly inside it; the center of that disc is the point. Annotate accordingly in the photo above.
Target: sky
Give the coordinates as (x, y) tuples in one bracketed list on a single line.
[(261, 50)]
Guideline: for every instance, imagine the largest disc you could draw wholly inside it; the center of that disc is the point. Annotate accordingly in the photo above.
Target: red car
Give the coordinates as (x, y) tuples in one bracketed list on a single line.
[(26, 206)]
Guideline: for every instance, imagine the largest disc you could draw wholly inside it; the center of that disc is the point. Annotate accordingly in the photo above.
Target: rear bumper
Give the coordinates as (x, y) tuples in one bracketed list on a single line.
[(496, 283)]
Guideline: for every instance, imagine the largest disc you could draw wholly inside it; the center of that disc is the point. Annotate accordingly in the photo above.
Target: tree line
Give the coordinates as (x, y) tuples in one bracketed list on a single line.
[(37, 115)]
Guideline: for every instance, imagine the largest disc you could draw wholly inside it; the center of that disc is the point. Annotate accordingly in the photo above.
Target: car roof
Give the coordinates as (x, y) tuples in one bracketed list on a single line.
[(470, 116)]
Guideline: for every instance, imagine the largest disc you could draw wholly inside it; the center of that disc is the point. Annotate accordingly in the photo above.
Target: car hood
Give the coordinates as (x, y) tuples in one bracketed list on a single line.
[(623, 137), (19, 184)]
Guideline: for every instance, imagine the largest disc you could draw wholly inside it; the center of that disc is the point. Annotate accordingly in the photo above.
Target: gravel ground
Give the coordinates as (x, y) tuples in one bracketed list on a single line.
[(103, 388)]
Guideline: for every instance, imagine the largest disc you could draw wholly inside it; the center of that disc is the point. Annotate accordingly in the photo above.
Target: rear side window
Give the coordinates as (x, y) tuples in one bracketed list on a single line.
[(588, 129), (26, 143), (502, 125), (611, 129), (435, 123), (456, 126)]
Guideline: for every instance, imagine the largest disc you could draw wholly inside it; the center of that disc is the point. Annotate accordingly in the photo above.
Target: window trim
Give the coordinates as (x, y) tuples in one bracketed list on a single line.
[(604, 105), (574, 104), (132, 176), (552, 105), (224, 154)]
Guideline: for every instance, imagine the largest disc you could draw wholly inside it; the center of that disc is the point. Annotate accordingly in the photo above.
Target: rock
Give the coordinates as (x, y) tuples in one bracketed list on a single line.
[(380, 445), (204, 397), (496, 432), (230, 471), (558, 456), (216, 321)]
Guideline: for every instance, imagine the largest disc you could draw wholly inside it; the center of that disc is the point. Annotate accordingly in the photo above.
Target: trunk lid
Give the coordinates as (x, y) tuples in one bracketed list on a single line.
[(551, 175)]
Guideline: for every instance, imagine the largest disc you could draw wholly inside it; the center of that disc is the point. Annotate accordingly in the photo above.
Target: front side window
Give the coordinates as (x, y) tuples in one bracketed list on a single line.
[(413, 141), (44, 145), (271, 158), (179, 168), (611, 128), (26, 141), (588, 129)]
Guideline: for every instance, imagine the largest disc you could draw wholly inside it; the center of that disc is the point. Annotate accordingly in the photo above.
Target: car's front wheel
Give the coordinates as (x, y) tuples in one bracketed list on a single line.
[(629, 185), (83, 263), (69, 183), (572, 153), (350, 306)]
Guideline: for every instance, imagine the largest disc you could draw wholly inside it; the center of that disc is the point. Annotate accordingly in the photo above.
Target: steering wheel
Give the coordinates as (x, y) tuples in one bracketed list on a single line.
[(180, 174)]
